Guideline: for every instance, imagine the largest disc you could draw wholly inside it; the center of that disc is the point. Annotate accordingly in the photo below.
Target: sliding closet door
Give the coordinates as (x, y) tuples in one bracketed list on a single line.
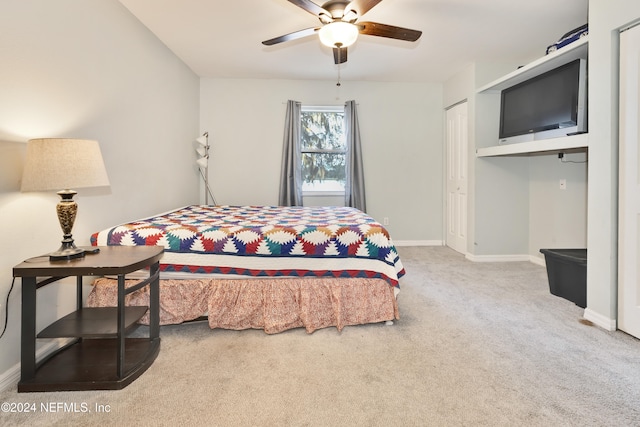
[(457, 152), (629, 184)]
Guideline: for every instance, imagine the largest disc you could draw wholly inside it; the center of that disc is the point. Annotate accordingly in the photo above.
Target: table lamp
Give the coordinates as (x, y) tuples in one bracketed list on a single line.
[(60, 164)]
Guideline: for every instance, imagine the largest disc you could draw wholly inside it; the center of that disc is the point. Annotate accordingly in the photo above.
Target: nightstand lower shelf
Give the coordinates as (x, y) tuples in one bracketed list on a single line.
[(90, 364), (89, 322)]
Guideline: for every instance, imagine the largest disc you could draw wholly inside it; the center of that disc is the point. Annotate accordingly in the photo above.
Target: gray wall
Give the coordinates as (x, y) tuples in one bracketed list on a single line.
[(401, 127), (586, 212), (86, 69), (605, 20)]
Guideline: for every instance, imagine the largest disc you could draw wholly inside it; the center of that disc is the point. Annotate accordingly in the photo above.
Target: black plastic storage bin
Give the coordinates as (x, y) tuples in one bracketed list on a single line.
[(567, 273)]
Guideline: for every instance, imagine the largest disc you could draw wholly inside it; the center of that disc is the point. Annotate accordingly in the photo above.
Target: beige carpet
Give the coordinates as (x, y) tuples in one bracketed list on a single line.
[(477, 344)]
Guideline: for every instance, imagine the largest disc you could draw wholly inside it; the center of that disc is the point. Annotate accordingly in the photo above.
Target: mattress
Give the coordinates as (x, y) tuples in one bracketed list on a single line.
[(264, 241)]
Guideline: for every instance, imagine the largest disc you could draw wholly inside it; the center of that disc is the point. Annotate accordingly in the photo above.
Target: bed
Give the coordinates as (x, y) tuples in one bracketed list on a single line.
[(264, 267)]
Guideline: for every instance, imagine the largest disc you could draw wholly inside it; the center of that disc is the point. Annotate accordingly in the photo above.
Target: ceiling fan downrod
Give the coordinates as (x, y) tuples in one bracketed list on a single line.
[(338, 46)]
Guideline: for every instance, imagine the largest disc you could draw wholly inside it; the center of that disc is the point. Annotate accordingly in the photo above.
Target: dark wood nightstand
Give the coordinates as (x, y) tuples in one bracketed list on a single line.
[(100, 357)]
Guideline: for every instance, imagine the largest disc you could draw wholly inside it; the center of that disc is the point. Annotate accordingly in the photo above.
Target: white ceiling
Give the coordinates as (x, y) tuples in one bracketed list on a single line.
[(217, 38)]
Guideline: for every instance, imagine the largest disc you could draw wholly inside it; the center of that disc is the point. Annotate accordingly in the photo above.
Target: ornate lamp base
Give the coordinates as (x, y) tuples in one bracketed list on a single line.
[(67, 253), (67, 209)]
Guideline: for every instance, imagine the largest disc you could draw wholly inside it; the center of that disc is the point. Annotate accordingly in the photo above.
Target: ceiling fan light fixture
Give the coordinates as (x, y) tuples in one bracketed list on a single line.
[(338, 34)]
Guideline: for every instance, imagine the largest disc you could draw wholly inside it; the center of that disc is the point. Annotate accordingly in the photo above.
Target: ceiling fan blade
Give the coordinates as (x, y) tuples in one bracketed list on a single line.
[(339, 55), (310, 7), (361, 6), (389, 31), (291, 36)]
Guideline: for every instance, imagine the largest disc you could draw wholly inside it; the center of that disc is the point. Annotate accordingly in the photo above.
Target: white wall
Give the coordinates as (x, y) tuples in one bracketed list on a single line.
[(86, 69), (606, 17), (557, 218), (554, 222), (401, 127), (498, 187), (516, 207)]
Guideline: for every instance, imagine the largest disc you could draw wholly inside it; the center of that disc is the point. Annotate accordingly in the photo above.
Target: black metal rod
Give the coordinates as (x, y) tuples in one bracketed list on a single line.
[(28, 340), (120, 333)]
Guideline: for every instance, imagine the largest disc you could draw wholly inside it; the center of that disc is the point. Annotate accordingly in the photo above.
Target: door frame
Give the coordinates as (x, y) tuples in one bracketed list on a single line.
[(629, 186)]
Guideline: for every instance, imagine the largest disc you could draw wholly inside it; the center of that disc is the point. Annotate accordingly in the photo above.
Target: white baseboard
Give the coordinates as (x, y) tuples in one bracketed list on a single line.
[(475, 258), (418, 243), (600, 320), (537, 260), (10, 378), (497, 258)]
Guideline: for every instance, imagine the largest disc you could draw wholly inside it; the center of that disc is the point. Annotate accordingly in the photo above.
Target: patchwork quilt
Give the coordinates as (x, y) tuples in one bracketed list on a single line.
[(267, 241)]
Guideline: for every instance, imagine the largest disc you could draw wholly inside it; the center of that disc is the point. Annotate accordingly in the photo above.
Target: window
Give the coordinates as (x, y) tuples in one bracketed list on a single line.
[(323, 147)]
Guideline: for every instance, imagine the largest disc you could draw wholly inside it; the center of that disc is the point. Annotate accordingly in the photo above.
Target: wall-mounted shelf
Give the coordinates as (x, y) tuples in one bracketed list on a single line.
[(576, 50), (571, 52), (546, 146)]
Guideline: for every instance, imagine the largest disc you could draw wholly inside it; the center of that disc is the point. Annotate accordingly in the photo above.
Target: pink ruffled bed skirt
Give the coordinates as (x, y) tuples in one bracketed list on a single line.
[(273, 305)]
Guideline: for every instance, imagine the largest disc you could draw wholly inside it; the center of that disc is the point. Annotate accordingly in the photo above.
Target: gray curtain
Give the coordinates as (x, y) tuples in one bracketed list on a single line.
[(291, 174), (354, 186)]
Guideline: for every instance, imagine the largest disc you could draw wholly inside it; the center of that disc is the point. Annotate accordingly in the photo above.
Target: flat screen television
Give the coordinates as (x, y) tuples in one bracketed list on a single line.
[(549, 105)]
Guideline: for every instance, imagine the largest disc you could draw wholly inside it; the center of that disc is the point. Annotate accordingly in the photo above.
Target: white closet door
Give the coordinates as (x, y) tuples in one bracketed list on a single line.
[(629, 196), (457, 152)]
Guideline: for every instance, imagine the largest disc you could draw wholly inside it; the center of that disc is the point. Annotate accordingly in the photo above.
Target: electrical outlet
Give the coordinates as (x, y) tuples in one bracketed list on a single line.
[(563, 184), (385, 221)]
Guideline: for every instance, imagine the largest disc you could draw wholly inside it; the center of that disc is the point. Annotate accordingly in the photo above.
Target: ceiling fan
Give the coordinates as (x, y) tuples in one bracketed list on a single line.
[(340, 26)]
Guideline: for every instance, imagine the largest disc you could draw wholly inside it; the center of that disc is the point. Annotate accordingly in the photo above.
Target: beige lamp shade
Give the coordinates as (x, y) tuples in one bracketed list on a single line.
[(59, 164), (54, 164)]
